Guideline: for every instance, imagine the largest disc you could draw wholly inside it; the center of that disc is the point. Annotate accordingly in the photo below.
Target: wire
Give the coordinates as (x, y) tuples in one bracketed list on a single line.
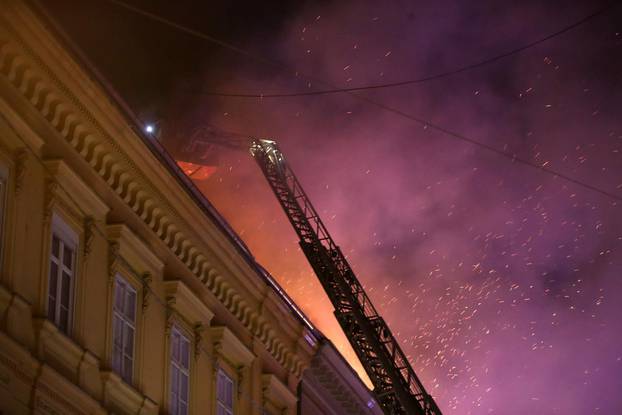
[(270, 62), (495, 150), (382, 106), (433, 77), (188, 30)]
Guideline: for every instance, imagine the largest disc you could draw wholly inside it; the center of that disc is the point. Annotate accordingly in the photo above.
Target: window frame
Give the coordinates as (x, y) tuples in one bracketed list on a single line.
[(220, 405), (176, 366), (68, 239), (125, 322)]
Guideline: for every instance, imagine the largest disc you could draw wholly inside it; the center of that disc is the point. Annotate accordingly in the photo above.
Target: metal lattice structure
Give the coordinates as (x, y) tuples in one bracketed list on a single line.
[(396, 386)]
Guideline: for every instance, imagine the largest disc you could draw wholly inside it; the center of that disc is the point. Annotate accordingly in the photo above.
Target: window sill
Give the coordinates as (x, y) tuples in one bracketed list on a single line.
[(60, 351), (123, 398)]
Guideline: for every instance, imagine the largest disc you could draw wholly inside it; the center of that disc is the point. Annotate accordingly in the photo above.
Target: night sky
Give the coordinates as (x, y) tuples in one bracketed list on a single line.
[(502, 282)]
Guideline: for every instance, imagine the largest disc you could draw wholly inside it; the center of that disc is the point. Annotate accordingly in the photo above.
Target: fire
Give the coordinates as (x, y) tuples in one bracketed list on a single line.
[(196, 171)]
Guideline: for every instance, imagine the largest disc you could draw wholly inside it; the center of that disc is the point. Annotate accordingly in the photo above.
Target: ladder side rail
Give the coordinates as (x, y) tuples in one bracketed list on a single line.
[(354, 325), (410, 379), (324, 236), (276, 176), (394, 350), (350, 298)]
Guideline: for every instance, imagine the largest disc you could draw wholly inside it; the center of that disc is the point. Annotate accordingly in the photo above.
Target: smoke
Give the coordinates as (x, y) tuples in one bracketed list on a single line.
[(501, 282)]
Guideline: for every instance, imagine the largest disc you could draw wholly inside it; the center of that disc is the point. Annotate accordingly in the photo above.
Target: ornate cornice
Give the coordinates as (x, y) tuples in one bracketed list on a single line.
[(70, 117), (335, 385)]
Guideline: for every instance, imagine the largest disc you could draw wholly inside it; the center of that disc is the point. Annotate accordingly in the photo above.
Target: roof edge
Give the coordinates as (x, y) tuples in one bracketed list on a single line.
[(167, 160)]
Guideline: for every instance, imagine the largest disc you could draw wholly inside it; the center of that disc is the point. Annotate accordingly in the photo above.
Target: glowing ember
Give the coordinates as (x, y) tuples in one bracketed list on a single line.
[(502, 283)]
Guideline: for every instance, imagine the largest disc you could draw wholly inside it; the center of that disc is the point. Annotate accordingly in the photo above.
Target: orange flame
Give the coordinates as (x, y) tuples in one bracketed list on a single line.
[(197, 171)]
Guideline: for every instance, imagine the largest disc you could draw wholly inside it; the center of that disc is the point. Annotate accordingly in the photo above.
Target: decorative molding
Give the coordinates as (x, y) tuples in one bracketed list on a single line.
[(336, 387), (21, 156), (50, 340), (330, 372), (216, 365), (278, 394), (88, 360), (25, 368), (75, 192), (184, 302), (134, 251), (39, 83), (89, 234), (113, 260), (51, 188), (170, 312), (146, 280), (119, 397), (64, 396), (199, 329), (21, 362), (240, 372), (228, 346)]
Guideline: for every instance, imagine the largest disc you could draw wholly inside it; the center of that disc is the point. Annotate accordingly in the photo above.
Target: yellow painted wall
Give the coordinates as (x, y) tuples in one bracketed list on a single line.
[(70, 152)]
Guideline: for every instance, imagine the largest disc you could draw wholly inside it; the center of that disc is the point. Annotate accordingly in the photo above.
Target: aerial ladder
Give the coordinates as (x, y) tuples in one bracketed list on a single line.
[(397, 388)]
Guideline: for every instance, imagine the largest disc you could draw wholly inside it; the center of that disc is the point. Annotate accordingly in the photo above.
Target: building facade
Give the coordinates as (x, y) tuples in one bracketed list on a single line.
[(331, 387), (121, 288)]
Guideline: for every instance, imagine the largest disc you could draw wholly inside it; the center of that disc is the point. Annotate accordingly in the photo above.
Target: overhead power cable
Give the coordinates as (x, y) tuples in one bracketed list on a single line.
[(495, 150), (431, 125), (192, 32), (427, 78)]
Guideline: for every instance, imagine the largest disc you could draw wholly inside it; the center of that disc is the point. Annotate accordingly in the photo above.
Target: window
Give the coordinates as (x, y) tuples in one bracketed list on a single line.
[(180, 372), (123, 329), (224, 394), (62, 275)]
